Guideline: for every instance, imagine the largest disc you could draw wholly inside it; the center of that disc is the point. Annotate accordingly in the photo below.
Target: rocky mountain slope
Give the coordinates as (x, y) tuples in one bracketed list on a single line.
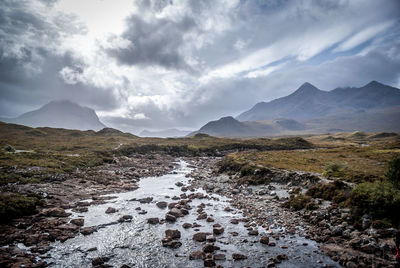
[(60, 114)]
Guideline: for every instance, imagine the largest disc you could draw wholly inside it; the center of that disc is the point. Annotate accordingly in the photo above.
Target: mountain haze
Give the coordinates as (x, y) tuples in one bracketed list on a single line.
[(309, 102), (60, 114), (309, 110)]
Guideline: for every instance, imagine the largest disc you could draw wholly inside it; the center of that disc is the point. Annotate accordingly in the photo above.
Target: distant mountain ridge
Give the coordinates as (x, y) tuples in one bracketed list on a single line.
[(60, 114), (309, 110), (309, 102)]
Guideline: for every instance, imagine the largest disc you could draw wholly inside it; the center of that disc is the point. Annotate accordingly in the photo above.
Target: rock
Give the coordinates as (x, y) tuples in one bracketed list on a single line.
[(282, 257), (202, 216), (99, 261), (142, 212), (78, 222), (176, 212), (235, 233), (173, 234), (369, 248), (197, 255), (209, 248), (80, 209), (211, 238), (209, 219), (170, 218), (179, 184), (110, 210), (187, 225), (253, 232), (200, 237), (162, 204), (55, 212), (271, 244), (172, 205), (270, 264), (209, 263), (264, 240), (336, 231), (238, 256), (125, 266), (125, 218), (218, 230), (235, 221), (171, 243), (146, 200), (153, 220), (87, 230), (351, 264)]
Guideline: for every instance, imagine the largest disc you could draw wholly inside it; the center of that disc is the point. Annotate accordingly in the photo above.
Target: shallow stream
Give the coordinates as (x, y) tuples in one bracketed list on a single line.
[(138, 244)]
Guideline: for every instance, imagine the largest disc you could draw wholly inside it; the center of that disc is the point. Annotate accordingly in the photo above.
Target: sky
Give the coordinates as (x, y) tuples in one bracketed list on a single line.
[(157, 64)]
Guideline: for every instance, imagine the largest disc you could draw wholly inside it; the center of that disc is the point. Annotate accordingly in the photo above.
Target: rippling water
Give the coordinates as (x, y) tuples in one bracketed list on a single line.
[(138, 244)]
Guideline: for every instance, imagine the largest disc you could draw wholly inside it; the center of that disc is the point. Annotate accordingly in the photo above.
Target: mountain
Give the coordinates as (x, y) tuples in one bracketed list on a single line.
[(166, 133), (230, 127), (60, 114), (309, 102), (374, 107)]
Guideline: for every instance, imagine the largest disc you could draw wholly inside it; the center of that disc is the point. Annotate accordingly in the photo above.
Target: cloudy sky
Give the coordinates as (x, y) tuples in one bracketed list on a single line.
[(158, 64)]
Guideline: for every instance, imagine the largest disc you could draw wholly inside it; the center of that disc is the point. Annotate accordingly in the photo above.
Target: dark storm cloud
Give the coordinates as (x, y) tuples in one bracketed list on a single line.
[(155, 42), (30, 61)]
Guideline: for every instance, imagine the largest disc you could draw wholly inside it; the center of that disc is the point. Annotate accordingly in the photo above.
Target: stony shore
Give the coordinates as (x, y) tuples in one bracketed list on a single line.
[(263, 206), (75, 191)]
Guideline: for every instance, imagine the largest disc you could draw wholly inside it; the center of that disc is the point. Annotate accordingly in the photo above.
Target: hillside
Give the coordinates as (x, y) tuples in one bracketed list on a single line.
[(60, 114)]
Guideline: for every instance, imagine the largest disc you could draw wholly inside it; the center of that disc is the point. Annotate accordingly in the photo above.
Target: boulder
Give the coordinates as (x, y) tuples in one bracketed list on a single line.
[(200, 237), (264, 240), (78, 222), (110, 210), (197, 255), (238, 256), (162, 204), (153, 220), (173, 234), (218, 230)]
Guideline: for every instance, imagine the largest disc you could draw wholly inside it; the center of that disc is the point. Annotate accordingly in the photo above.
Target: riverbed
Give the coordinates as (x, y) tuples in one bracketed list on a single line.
[(137, 243)]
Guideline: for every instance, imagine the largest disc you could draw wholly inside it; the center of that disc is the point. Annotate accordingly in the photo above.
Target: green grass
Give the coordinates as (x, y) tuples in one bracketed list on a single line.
[(16, 205)]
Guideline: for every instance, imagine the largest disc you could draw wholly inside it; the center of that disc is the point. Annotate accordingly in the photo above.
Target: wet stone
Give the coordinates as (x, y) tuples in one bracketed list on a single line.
[(218, 230), (100, 261), (187, 225), (209, 263), (78, 222), (238, 256), (219, 257), (146, 200), (173, 233), (110, 210), (170, 218), (162, 204), (153, 220), (87, 230), (197, 255), (125, 218), (264, 240), (200, 237)]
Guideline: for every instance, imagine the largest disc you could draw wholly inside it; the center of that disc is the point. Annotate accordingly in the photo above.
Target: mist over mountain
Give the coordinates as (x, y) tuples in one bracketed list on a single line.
[(166, 133), (309, 110), (60, 114), (309, 102)]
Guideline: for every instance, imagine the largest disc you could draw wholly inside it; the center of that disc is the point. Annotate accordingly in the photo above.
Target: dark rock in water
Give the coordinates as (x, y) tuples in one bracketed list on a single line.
[(100, 261), (170, 218), (172, 233), (110, 210), (162, 204), (171, 243), (211, 238), (202, 216), (146, 200), (87, 230), (282, 257), (209, 248), (78, 222), (264, 240), (218, 230), (80, 209), (125, 218), (209, 219), (235, 233), (238, 256), (125, 266), (55, 212), (142, 212), (197, 255), (91, 249), (253, 232), (272, 244), (153, 220), (172, 205), (176, 212), (187, 225), (179, 184), (209, 263), (235, 221), (200, 237)]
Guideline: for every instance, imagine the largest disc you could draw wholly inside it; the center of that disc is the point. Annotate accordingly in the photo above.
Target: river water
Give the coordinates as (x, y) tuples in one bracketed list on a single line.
[(138, 244)]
